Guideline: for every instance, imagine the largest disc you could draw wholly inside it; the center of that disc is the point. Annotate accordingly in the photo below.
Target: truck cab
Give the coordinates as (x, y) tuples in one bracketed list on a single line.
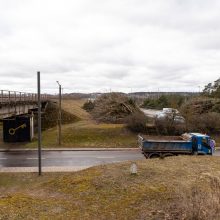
[(201, 143)]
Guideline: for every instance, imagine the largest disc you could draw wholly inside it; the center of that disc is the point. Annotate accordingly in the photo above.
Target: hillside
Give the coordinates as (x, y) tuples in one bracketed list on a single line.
[(85, 132), (74, 106), (171, 188), (201, 105)]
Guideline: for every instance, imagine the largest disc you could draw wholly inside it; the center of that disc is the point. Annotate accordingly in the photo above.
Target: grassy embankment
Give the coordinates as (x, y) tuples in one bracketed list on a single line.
[(171, 188), (86, 132)]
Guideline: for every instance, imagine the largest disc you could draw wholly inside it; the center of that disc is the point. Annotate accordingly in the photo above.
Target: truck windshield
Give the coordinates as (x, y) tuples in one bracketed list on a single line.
[(205, 142)]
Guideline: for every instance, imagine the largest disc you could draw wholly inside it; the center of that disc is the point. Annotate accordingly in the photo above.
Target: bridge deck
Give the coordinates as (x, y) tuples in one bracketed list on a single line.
[(8, 97), (15, 103)]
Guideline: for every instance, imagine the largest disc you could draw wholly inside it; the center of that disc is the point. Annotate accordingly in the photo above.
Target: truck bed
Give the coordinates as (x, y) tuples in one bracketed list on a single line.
[(169, 144)]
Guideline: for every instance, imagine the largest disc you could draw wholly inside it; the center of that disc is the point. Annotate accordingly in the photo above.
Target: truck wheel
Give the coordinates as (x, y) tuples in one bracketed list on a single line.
[(151, 156)]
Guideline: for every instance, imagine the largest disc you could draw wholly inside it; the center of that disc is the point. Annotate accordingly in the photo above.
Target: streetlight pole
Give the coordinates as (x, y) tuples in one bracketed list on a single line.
[(39, 123), (59, 116)]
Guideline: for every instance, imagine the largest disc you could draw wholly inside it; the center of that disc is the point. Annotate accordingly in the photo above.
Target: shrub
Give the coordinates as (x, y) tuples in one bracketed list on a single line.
[(50, 117), (156, 103), (164, 101), (88, 106), (137, 122), (216, 108), (206, 123), (200, 105), (167, 126)]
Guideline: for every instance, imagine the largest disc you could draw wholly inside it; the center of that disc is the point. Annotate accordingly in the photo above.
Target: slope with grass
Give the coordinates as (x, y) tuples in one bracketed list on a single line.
[(170, 188), (74, 106), (86, 132)]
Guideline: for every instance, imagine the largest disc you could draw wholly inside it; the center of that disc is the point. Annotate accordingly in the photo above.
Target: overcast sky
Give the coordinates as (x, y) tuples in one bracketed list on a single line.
[(103, 45)]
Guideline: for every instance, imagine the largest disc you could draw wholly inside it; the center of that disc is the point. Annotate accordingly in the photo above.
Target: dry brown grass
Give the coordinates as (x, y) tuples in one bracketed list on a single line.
[(87, 132), (185, 187), (75, 107), (200, 201)]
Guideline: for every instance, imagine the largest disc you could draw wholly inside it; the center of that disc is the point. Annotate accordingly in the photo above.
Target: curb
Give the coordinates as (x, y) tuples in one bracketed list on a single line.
[(69, 149), (44, 169)]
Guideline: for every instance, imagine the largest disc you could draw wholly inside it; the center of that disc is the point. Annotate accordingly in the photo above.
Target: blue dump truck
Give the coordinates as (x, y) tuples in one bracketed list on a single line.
[(188, 143)]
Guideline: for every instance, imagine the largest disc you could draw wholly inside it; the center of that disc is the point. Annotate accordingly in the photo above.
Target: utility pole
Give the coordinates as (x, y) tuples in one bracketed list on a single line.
[(39, 123), (59, 116)]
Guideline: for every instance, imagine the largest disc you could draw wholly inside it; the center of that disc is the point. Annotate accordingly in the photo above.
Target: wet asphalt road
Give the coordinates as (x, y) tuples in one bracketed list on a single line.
[(68, 158)]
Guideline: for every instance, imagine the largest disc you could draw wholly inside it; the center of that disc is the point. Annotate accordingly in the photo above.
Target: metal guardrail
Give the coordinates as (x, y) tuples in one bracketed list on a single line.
[(14, 97)]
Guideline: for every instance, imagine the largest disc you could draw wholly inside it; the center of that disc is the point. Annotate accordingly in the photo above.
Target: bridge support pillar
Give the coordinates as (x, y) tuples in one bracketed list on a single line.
[(18, 128)]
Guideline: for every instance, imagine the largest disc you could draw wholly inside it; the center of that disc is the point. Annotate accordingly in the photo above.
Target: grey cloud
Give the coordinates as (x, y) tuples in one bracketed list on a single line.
[(209, 41), (170, 68), (188, 16), (97, 45), (170, 72), (116, 74)]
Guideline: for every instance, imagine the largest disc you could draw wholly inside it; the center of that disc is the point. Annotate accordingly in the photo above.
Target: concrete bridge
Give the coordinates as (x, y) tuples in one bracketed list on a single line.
[(14, 103)]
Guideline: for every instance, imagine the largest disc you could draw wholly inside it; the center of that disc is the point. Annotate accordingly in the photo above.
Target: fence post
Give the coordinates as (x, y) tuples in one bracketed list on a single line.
[(9, 97), (19, 103), (15, 98), (2, 97), (9, 101)]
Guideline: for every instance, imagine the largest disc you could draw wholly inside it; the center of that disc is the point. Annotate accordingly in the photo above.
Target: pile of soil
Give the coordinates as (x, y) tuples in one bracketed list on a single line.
[(162, 138)]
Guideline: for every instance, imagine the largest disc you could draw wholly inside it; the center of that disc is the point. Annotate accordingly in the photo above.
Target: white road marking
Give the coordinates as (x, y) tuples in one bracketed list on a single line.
[(3, 158)]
